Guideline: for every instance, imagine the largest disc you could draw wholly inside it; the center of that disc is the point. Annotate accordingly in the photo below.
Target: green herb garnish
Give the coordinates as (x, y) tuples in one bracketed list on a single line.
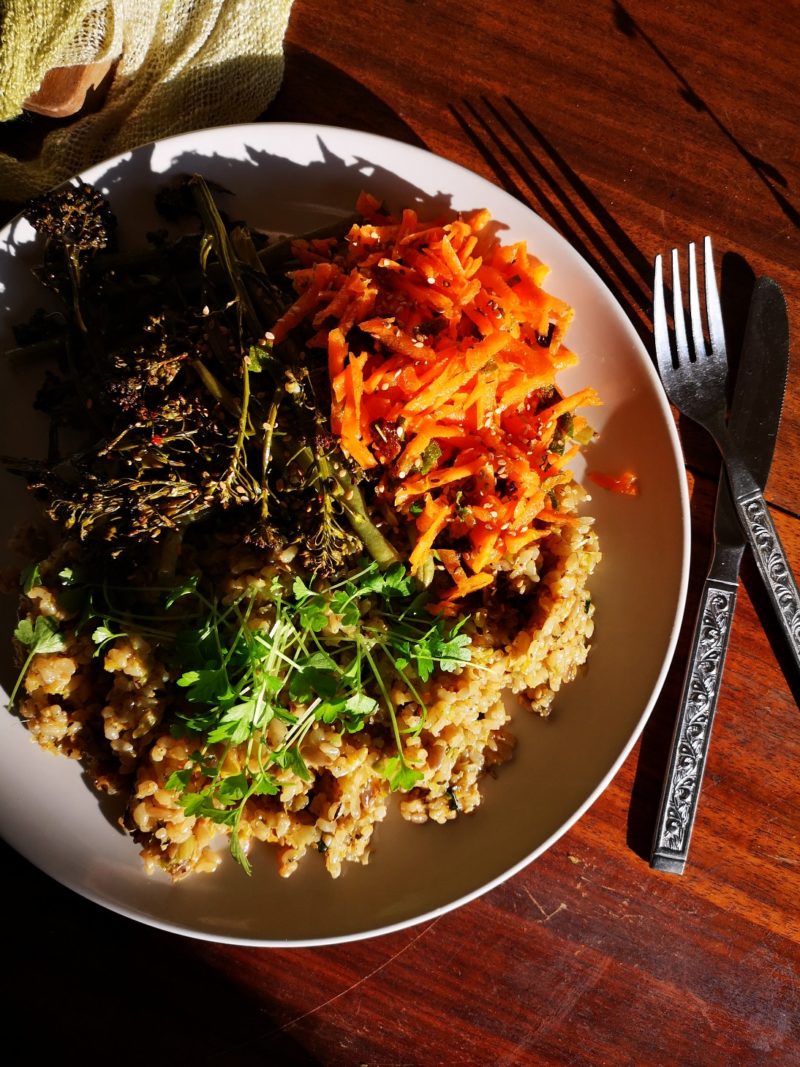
[(302, 655), (38, 637)]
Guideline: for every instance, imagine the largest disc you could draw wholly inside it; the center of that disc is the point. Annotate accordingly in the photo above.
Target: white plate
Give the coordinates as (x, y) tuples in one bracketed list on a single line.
[(292, 178)]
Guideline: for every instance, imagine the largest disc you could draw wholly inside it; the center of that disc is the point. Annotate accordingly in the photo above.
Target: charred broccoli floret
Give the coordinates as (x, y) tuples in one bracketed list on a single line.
[(78, 222)]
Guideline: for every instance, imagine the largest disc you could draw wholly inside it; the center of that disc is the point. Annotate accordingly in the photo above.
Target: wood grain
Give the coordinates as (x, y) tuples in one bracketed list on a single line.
[(632, 128)]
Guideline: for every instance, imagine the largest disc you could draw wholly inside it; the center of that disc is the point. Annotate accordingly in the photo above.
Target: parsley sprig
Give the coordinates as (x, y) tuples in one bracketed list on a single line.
[(38, 637)]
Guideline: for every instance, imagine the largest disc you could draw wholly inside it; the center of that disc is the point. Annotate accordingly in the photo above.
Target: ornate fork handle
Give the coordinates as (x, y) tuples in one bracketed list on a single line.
[(692, 734)]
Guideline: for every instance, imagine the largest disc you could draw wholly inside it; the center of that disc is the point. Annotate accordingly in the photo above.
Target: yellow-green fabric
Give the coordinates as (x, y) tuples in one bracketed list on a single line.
[(180, 65)]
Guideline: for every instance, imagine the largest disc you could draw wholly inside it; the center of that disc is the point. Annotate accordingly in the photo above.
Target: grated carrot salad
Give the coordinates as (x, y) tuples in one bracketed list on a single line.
[(442, 350)]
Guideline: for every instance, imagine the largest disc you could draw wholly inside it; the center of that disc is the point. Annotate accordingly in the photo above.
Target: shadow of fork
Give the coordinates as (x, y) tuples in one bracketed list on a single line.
[(530, 167)]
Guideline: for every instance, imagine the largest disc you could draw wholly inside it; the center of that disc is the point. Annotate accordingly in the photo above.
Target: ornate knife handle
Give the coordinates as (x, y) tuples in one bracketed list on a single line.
[(771, 561), (692, 734)]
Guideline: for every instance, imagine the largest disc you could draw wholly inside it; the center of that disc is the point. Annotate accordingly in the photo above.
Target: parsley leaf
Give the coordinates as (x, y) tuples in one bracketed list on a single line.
[(451, 653), (101, 636), (41, 636), (290, 759), (207, 686), (398, 773), (178, 780), (314, 613)]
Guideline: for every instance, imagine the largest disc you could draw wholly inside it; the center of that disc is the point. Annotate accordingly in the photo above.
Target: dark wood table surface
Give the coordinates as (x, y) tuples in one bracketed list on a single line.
[(631, 128)]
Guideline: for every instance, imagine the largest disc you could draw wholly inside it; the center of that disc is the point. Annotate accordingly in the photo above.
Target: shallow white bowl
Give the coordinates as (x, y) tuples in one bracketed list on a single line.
[(292, 178)]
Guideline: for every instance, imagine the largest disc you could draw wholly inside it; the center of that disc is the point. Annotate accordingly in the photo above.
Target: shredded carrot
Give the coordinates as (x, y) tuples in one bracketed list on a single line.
[(427, 430), (443, 351), (568, 404), (484, 546), (560, 518), (337, 353), (307, 301), (434, 517), (423, 484), (453, 565), (469, 585), (626, 483)]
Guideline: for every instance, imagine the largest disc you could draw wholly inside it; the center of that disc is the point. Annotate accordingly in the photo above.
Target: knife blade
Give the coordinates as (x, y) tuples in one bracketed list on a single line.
[(756, 411), (753, 425)]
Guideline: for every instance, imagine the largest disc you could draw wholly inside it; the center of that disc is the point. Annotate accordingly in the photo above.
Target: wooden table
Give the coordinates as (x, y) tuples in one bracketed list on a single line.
[(631, 128)]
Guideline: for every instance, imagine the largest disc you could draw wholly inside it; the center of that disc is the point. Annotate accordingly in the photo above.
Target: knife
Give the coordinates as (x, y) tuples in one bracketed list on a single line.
[(753, 425)]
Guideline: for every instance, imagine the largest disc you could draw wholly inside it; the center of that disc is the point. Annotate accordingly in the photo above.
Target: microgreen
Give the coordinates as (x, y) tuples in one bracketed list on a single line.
[(302, 655), (38, 637), (30, 577), (102, 635), (398, 773)]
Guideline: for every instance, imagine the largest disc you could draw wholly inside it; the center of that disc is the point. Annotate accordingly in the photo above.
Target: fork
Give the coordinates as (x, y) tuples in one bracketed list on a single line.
[(697, 389)]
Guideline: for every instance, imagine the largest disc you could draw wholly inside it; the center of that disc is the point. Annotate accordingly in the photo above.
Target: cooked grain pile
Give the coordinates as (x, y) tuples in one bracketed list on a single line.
[(529, 636)]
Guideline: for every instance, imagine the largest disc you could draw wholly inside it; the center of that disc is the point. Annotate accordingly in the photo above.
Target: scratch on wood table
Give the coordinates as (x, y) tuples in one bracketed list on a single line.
[(565, 1001), (359, 982), (546, 916)]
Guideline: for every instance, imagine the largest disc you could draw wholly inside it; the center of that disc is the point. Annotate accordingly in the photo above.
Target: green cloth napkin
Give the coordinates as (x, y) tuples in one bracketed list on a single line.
[(180, 65)]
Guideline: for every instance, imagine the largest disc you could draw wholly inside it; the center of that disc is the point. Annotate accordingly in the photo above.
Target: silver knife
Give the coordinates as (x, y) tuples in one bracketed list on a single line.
[(753, 425)]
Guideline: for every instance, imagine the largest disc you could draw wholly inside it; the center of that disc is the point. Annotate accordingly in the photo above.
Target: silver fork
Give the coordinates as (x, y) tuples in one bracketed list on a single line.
[(697, 389)]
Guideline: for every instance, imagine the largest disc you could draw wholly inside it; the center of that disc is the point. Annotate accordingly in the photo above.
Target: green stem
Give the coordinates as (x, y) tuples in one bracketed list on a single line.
[(168, 555), (266, 453), (49, 346), (243, 416), (216, 388), (20, 677), (75, 281), (389, 706), (412, 688), (221, 243), (352, 503)]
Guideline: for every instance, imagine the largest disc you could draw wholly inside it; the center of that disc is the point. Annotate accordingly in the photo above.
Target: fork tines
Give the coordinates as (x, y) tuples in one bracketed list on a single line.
[(716, 333)]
